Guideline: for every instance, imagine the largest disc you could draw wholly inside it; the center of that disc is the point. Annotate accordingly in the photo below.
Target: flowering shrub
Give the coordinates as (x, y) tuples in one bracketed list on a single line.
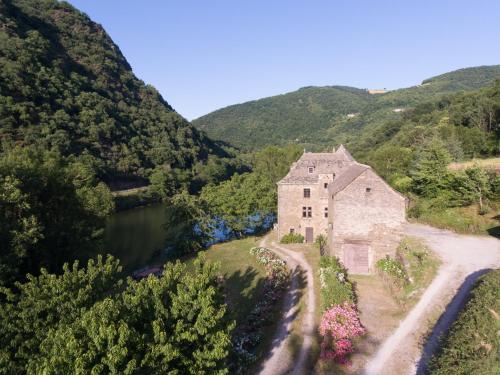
[(335, 285), (394, 269), (339, 325), (276, 269), (250, 334)]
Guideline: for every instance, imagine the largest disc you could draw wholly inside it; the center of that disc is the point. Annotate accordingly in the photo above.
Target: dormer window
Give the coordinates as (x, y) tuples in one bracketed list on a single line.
[(368, 189), (311, 169)]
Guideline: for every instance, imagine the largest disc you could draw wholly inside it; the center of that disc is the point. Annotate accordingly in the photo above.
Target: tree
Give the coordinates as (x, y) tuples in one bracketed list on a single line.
[(51, 211), (187, 223), (430, 175), (85, 321), (474, 185)]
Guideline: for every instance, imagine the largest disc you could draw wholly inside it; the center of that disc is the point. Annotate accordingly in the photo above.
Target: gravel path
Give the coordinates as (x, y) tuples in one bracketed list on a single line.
[(279, 360), (464, 259)]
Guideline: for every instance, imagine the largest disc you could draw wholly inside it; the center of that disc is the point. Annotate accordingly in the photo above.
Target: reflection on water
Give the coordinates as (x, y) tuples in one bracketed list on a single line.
[(135, 236)]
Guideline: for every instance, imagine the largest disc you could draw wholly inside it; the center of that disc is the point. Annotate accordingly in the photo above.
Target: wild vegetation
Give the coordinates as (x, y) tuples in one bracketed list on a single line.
[(89, 320), (317, 117), (66, 87), (249, 199), (472, 344), (52, 211), (410, 272), (292, 238)]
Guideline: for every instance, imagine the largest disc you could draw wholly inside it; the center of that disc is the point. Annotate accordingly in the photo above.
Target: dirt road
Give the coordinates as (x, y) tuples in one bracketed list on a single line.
[(279, 360), (464, 259)]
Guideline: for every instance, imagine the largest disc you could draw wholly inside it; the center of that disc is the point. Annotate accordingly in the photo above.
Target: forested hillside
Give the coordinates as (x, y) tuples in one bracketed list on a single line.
[(66, 87), (316, 117)]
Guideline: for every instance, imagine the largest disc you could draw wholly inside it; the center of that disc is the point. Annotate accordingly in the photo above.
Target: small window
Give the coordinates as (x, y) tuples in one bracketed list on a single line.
[(311, 169), (368, 189), (307, 193), (309, 212), (325, 185), (304, 211), (326, 211), (292, 230)]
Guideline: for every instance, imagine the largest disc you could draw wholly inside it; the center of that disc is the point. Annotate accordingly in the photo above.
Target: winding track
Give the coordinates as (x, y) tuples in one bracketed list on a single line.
[(279, 361), (464, 259)]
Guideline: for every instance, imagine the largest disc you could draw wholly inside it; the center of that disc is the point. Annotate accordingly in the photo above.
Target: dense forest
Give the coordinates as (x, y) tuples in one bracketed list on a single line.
[(66, 87), (317, 117), (75, 121)]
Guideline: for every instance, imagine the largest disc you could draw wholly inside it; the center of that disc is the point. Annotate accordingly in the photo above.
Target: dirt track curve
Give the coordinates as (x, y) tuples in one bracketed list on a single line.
[(464, 259)]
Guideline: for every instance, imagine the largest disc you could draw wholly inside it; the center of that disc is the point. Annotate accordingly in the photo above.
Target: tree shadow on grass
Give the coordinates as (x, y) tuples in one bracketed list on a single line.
[(242, 292), (434, 340)]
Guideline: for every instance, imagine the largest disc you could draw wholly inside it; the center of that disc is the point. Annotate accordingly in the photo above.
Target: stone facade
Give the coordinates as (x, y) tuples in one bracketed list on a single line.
[(347, 201)]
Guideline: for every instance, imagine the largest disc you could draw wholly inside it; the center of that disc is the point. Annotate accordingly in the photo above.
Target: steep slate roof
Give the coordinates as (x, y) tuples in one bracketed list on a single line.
[(343, 154), (323, 163), (349, 175)]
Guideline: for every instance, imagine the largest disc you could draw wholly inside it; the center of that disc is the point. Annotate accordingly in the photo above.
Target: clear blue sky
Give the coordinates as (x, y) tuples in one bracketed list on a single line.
[(203, 55)]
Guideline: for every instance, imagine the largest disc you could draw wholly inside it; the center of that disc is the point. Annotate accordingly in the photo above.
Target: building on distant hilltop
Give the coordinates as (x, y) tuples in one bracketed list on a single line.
[(332, 194)]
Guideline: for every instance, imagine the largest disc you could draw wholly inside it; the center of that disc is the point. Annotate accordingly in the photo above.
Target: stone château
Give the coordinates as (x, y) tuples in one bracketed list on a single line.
[(332, 194)]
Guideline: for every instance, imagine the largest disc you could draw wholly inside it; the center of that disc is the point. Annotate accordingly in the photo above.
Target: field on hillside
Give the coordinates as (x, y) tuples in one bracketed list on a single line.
[(491, 163)]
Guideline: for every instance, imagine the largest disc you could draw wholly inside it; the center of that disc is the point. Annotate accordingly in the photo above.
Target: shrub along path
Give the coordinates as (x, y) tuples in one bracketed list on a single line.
[(279, 360), (464, 259)]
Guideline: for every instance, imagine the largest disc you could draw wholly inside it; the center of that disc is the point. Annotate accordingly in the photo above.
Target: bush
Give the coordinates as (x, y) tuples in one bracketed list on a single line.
[(339, 325), (472, 345), (393, 269), (292, 238), (321, 241), (340, 322), (335, 285)]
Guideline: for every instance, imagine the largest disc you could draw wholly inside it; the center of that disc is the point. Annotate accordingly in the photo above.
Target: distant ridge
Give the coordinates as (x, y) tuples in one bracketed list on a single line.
[(316, 116)]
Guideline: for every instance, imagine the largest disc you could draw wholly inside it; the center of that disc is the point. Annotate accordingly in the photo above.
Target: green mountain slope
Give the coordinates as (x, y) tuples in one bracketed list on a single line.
[(64, 85), (318, 116)]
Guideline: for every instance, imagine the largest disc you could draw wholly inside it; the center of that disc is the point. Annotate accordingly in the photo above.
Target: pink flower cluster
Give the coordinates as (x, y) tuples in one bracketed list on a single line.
[(339, 325)]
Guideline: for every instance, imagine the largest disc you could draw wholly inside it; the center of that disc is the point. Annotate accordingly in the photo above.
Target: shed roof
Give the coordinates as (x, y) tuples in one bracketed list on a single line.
[(349, 175)]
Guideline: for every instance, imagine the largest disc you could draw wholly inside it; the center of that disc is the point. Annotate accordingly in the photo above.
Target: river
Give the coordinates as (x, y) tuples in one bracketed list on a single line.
[(136, 236)]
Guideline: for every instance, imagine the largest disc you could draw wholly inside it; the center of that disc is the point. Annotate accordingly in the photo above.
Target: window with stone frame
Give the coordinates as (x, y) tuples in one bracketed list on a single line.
[(326, 211), (307, 193), (292, 230), (310, 169), (325, 185), (306, 211)]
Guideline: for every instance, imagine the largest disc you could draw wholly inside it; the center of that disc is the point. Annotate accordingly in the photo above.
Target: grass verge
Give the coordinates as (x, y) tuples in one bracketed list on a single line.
[(472, 345)]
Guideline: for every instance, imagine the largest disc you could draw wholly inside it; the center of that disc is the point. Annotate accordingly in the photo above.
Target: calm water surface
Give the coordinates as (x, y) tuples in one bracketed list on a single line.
[(135, 236)]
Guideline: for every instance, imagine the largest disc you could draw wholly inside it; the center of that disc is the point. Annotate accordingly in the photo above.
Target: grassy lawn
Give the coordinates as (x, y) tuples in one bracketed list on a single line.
[(465, 220), (244, 276)]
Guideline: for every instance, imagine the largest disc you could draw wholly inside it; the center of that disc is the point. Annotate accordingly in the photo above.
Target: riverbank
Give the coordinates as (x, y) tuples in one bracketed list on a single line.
[(133, 198)]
